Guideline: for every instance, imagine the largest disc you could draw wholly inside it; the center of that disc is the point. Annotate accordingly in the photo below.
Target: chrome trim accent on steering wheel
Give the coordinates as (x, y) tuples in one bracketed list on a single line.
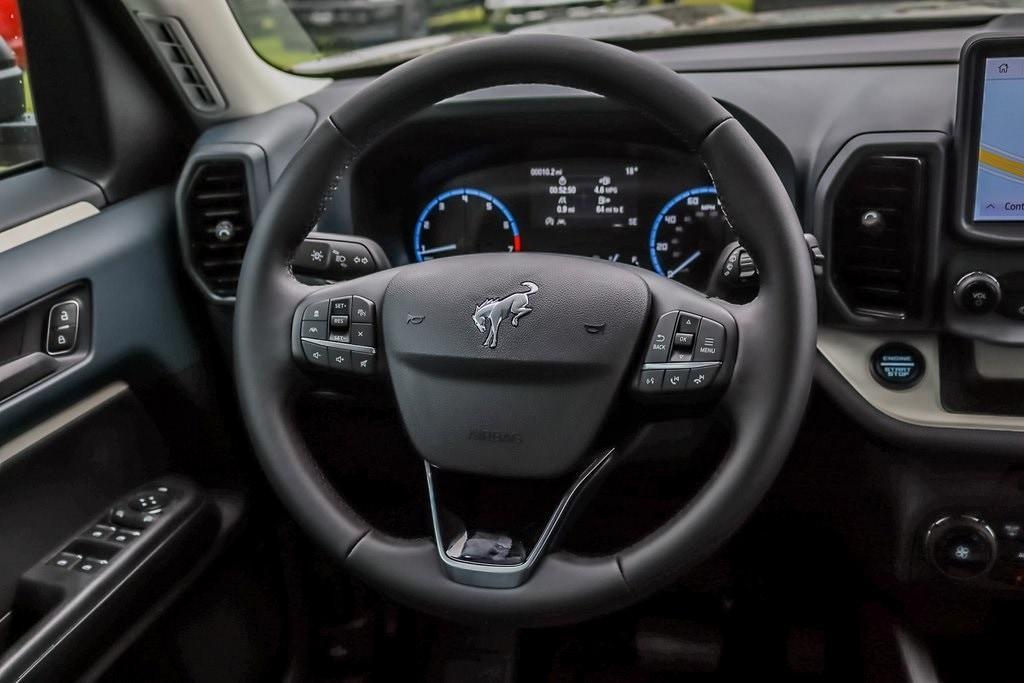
[(483, 575)]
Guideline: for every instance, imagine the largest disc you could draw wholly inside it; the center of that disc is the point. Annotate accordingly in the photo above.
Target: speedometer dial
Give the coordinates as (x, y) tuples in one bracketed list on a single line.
[(687, 235), (464, 221)]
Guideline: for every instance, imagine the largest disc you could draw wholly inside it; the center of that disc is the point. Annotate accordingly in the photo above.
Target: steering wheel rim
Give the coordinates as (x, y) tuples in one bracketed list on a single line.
[(770, 379)]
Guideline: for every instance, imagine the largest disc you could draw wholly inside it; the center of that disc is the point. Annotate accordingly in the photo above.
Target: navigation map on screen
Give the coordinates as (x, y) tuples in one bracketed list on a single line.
[(999, 194)]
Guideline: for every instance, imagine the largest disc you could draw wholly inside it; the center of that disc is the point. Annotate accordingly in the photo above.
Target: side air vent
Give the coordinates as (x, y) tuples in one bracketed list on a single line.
[(879, 224), (218, 218), (179, 55)]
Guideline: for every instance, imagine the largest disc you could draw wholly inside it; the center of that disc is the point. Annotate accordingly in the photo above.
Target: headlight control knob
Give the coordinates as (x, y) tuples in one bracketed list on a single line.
[(961, 546), (977, 292)]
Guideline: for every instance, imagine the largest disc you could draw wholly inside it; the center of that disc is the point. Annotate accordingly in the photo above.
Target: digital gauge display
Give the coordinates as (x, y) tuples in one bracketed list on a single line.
[(650, 213)]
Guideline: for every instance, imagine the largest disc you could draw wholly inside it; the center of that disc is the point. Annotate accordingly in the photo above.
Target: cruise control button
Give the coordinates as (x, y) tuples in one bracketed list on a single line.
[(701, 377), (315, 353), (316, 311), (341, 306), (340, 336), (710, 341), (675, 380), (363, 362), (362, 334), (661, 341), (362, 310), (314, 329), (339, 359), (650, 381), (339, 322)]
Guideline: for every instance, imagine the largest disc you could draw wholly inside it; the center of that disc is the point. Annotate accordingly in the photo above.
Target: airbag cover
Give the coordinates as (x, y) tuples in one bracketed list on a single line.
[(507, 364)]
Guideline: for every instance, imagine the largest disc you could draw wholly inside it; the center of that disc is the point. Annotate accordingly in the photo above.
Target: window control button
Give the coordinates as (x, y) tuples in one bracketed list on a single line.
[(65, 560), (317, 311), (149, 501), (100, 532), (125, 536), (90, 565)]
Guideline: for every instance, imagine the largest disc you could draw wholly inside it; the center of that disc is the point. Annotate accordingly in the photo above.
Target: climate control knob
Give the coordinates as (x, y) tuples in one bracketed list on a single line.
[(977, 292), (961, 546)]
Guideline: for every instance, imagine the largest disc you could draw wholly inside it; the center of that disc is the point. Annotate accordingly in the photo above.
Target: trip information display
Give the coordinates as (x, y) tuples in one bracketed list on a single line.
[(585, 195), (999, 193)]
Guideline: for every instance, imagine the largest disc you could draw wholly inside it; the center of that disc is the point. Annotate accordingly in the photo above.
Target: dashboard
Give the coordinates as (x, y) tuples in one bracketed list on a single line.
[(612, 187), (652, 209)]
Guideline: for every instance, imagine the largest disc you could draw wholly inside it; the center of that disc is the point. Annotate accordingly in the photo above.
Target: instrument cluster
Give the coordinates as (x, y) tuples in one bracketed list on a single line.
[(650, 211)]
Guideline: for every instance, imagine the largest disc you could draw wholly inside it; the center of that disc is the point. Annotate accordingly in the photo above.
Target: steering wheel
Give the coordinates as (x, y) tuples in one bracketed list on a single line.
[(507, 365)]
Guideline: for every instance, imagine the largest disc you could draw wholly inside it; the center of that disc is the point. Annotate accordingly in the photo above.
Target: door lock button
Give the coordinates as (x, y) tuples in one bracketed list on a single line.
[(62, 328)]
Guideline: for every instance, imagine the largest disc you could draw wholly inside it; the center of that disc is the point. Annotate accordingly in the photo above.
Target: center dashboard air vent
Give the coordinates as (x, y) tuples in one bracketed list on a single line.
[(218, 220), (879, 229)]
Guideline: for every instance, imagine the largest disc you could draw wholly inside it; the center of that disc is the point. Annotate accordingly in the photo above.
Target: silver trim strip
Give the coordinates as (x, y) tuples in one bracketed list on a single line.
[(687, 365), (55, 423), (44, 225), (511, 575), (340, 345)]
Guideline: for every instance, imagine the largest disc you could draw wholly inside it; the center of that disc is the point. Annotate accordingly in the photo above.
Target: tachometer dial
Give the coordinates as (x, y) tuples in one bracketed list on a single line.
[(687, 235), (464, 221)]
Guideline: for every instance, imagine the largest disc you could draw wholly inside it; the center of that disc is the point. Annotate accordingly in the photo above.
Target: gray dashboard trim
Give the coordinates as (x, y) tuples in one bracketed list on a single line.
[(849, 354)]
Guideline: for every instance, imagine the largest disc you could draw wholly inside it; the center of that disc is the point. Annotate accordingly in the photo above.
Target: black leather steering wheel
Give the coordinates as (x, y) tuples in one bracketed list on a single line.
[(531, 403)]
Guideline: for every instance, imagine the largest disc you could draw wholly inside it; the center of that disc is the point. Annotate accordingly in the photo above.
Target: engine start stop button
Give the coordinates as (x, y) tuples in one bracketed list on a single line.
[(897, 365)]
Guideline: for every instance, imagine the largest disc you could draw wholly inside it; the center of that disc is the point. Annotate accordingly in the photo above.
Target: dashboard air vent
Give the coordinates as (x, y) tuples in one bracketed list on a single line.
[(218, 214), (175, 48), (878, 236)]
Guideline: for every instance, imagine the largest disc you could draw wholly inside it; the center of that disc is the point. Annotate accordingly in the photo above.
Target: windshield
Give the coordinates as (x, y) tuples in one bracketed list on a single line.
[(324, 37)]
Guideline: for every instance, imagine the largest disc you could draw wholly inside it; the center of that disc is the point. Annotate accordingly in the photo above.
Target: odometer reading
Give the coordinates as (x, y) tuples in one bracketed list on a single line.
[(464, 221)]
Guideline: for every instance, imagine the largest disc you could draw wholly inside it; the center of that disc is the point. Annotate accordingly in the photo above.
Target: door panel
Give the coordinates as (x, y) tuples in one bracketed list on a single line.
[(79, 443)]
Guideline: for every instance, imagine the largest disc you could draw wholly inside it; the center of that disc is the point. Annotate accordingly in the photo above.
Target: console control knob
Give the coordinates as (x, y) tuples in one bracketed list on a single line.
[(961, 547), (977, 292)]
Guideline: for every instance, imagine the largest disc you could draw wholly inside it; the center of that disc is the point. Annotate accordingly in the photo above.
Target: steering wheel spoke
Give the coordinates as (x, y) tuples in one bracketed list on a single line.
[(336, 328), (690, 347), (503, 558)]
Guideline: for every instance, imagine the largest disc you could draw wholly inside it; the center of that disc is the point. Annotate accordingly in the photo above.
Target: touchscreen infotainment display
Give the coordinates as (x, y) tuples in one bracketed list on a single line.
[(999, 192)]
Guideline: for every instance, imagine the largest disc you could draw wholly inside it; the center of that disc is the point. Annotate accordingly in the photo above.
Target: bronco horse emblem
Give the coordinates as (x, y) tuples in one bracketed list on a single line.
[(496, 310)]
